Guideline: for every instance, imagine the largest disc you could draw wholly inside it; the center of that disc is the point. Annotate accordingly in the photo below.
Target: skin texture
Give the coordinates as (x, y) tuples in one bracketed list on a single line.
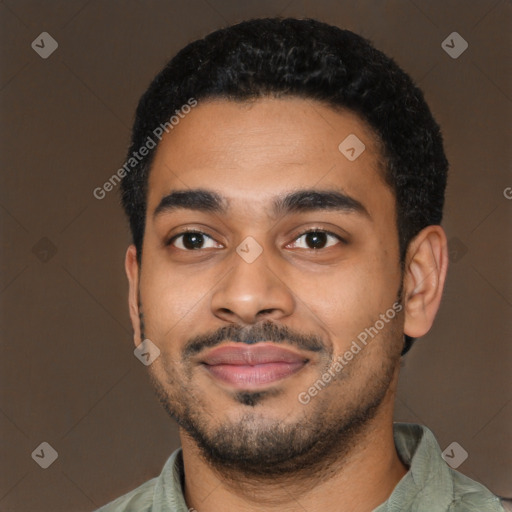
[(244, 449)]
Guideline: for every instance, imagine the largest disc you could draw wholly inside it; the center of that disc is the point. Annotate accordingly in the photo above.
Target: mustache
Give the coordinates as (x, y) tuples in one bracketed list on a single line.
[(265, 331)]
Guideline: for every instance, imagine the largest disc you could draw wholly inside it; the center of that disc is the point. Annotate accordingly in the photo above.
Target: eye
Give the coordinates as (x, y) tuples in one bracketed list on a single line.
[(316, 239), (191, 240)]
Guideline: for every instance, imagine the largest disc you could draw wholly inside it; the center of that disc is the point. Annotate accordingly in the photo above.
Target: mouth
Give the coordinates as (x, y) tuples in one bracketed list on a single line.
[(252, 366)]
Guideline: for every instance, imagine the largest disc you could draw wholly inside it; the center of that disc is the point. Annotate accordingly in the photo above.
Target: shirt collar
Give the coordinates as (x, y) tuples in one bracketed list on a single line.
[(428, 475)]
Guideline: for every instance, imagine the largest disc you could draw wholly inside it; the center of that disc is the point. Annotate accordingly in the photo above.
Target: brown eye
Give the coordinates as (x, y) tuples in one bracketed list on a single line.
[(317, 239), (191, 241)]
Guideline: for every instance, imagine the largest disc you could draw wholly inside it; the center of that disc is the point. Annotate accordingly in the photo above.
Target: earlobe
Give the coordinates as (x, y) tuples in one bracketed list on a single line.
[(132, 272), (424, 278)]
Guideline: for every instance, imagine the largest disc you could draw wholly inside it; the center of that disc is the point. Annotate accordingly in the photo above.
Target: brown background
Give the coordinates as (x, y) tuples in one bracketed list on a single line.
[(68, 373)]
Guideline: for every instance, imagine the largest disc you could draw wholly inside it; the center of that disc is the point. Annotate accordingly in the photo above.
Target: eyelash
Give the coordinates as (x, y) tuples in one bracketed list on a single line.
[(312, 230)]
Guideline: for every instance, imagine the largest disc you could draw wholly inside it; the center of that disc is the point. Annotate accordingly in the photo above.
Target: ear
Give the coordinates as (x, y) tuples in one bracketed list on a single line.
[(132, 272), (424, 277)]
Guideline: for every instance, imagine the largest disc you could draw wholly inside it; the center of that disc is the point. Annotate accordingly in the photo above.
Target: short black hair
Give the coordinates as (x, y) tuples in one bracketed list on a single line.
[(313, 60)]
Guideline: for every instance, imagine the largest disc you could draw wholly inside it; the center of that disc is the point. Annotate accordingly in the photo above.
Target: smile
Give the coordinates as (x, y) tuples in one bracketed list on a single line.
[(250, 367)]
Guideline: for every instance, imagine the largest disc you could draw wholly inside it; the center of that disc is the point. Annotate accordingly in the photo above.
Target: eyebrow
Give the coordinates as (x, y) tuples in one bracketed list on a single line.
[(294, 202)]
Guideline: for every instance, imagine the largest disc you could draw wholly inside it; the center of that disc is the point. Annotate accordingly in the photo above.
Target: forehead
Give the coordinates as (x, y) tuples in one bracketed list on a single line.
[(251, 151)]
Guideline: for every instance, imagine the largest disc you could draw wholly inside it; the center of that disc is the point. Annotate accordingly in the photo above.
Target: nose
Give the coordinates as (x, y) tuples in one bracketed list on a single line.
[(252, 292)]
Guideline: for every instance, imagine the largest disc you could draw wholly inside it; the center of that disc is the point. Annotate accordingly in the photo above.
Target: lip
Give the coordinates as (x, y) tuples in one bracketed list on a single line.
[(252, 366)]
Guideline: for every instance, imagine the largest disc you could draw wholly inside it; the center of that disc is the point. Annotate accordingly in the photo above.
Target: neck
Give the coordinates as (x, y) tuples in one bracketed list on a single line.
[(359, 481)]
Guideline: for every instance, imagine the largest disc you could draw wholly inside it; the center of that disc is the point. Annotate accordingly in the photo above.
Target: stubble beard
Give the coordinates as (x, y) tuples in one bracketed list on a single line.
[(257, 448)]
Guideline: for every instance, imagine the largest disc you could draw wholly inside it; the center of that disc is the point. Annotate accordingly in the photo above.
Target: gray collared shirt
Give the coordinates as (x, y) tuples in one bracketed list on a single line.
[(430, 485)]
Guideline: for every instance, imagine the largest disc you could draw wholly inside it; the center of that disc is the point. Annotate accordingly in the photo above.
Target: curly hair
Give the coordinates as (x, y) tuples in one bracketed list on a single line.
[(308, 59)]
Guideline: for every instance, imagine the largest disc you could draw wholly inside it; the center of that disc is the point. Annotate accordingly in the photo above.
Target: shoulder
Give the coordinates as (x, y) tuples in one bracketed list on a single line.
[(163, 492), (471, 496), (139, 499), (430, 481)]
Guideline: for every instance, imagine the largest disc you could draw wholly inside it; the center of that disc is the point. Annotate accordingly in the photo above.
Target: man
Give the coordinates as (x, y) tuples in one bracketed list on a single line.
[(285, 187)]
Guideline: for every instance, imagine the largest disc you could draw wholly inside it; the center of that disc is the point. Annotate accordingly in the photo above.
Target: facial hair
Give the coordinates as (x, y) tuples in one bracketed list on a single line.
[(257, 447)]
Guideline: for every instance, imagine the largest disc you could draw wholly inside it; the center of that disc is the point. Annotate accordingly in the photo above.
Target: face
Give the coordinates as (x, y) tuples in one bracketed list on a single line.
[(269, 257)]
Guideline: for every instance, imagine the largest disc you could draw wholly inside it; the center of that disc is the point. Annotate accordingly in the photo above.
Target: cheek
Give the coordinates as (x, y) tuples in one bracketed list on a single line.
[(170, 300), (351, 296)]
